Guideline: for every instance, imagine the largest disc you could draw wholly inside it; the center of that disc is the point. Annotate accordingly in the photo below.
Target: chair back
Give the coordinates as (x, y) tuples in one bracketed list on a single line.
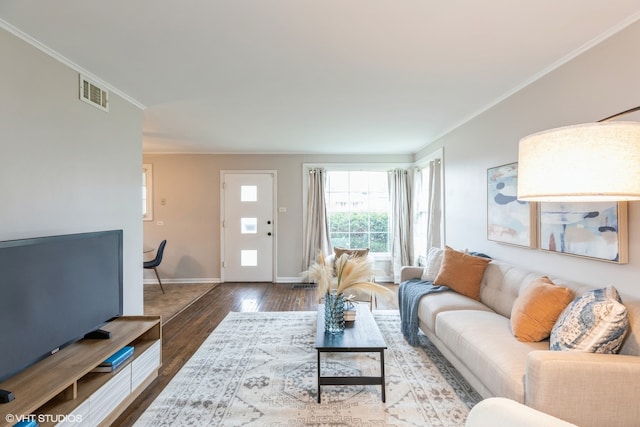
[(158, 259), (160, 251)]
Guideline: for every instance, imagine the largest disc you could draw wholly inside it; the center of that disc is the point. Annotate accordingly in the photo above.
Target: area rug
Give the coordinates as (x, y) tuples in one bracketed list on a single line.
[(176, 298), (259, 369)]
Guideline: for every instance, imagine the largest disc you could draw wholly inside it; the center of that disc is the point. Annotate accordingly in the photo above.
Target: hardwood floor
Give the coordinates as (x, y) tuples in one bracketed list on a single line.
[(182, 336)]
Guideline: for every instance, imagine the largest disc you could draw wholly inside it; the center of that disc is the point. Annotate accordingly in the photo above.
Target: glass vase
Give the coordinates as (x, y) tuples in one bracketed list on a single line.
[(334, 313)]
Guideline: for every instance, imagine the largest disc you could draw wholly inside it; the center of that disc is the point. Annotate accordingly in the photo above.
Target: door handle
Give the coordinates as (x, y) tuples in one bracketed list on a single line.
[(268, 222), (269, 234)]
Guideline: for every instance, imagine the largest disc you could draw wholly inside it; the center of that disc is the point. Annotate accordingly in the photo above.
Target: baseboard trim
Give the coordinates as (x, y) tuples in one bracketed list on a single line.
[(295, 279), (183, 281)]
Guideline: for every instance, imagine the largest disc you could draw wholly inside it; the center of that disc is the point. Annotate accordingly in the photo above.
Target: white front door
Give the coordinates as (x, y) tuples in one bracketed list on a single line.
[(247, 226)]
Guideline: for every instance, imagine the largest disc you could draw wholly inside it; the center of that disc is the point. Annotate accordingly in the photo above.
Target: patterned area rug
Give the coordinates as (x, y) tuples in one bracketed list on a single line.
[(259, 369)]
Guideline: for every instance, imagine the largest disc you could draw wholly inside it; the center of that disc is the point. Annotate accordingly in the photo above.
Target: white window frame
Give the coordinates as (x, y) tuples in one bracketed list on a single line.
[(329, 167), (423, 163), (147, 192)]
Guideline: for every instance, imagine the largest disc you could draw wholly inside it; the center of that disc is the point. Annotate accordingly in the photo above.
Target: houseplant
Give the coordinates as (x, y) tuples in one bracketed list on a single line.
[(350, 273)]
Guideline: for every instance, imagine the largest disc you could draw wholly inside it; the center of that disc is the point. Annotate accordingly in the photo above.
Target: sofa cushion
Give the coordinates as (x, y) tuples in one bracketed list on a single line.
[(462, 272), (432, 265), (537, 308), (595, 322), (483, 342), (435, 303), (502, 283)]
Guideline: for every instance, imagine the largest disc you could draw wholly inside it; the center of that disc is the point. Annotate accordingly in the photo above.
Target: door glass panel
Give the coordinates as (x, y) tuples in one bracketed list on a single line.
[(248, 193), (248, 225), (249, 258)]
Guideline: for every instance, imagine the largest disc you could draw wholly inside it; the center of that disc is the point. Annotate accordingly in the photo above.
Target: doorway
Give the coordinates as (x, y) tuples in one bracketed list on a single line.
[(247, 226)]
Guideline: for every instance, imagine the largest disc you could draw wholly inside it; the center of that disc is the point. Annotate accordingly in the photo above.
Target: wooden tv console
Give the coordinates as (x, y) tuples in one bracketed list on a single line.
[(62, 390)]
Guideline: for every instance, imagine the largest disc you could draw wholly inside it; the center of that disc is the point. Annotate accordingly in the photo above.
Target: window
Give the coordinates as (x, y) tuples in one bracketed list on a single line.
[(421, 215), (428, 227), (147, 200), (248, 193), (358, 209)]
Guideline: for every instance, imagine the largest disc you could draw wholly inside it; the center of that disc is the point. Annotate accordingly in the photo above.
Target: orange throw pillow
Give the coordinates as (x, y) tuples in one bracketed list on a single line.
[(461, 272), (537, 308)]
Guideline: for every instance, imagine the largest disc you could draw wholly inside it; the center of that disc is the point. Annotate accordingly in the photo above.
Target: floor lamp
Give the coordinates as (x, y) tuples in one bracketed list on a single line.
[(586, 162)]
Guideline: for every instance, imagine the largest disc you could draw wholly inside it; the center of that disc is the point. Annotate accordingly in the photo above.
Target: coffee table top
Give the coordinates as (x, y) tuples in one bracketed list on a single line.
[(362, 334)]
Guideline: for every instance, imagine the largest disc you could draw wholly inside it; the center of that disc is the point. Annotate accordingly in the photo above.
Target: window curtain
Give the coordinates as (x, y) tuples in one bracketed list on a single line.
[(316, 233), (419, 216), (434, 224), (400, 232)]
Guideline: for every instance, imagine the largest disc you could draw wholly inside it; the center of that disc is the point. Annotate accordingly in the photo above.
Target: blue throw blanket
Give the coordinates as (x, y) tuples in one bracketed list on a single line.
[(409, 294)]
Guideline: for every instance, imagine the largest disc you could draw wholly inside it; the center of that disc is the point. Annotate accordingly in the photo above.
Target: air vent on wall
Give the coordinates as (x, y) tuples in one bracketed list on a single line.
[(93, 94)]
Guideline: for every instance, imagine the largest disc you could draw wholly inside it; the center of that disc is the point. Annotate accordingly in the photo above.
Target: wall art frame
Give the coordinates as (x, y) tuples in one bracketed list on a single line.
[(509, 220), (593, 230)]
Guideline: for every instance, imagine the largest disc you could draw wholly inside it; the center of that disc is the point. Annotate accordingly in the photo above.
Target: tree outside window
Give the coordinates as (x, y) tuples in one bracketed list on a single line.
[(358, 209)]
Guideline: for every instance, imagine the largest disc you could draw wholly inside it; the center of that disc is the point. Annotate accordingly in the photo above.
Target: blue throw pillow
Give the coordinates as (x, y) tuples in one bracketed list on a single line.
[(595, 322)]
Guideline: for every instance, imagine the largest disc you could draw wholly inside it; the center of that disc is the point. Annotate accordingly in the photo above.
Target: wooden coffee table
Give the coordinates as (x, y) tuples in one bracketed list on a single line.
[(361, 336)]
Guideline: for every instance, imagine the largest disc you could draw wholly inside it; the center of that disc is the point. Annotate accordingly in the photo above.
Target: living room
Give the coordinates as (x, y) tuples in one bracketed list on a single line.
[(70, 168)]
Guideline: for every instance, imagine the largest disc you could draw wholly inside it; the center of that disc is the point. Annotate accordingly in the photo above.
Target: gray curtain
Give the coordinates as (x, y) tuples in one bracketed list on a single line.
[(434, 227), (316, 227), (400, 233)]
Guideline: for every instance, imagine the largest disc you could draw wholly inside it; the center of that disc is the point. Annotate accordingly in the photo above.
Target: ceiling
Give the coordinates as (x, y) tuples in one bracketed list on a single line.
[(303, 76)]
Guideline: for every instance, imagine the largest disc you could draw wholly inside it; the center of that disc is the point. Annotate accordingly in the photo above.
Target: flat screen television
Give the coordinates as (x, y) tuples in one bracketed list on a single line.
[(53, 291)]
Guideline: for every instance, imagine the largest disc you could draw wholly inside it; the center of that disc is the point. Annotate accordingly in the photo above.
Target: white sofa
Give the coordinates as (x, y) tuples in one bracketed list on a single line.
[(501, 412), (475, 336)]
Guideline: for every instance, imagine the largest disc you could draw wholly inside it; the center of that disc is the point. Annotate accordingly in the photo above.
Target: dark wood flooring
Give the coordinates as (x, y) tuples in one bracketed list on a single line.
[(182, 336)]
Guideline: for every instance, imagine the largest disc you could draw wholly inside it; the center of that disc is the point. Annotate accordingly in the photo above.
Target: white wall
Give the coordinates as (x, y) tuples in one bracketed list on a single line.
[(67, 167), (190, 187), (601, 82)]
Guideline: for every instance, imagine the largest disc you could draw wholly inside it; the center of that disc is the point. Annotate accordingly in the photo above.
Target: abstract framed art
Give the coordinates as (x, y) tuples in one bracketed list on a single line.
[(508, 219), (595, 230)]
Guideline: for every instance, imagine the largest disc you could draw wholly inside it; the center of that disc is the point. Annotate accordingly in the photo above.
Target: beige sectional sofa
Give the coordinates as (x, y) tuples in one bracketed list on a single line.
[(586, 389)]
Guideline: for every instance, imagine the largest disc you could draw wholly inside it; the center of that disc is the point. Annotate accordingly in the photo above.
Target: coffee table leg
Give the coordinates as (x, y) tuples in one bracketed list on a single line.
[(318, 376), (381, 375)]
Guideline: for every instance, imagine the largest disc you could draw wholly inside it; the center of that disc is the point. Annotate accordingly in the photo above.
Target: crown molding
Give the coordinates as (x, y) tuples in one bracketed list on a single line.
[(66, 61), (537, 76)]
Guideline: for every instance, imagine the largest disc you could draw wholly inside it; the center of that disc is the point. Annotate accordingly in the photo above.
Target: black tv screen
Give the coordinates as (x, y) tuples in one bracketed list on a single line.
[(54, 290)]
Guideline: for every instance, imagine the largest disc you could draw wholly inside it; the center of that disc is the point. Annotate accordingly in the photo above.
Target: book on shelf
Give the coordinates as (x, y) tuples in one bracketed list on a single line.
[(115, 360)]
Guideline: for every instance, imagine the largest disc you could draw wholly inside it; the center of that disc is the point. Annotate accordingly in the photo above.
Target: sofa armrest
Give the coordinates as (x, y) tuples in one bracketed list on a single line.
[(410, 272), (501, 412), (572, 385)]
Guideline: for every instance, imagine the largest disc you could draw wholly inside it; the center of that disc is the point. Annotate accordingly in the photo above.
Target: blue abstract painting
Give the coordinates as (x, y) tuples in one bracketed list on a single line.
[(508, 219), (590, 229)]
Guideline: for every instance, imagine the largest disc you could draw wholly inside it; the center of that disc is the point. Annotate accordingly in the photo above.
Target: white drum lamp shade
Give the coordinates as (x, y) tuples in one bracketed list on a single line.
[(587, 162)]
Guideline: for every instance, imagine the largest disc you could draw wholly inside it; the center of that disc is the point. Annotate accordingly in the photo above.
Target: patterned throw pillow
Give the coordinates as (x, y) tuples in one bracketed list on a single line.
[(432, 266), (595, 322)]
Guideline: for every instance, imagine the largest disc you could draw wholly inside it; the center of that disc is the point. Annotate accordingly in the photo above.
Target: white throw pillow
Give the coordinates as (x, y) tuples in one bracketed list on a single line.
[(432, 266)]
